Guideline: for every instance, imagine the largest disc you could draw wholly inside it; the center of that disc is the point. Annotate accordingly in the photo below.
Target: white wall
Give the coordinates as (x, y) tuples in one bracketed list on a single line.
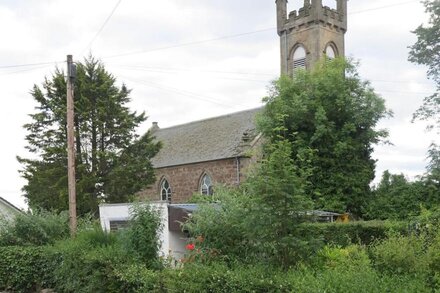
[(7, 211), (172, 243)]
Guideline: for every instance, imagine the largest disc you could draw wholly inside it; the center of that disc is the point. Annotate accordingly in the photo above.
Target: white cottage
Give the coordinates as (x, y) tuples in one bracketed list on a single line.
[(7, 210)]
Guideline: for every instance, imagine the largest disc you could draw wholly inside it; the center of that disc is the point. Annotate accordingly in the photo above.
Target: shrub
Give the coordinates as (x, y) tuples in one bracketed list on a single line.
[(141, 239), (353, 256), (400, 255), (345, 234), (40, 228), (86, 263), (24, 269)]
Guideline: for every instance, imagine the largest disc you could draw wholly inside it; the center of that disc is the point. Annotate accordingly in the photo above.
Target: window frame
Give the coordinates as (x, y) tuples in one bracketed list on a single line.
[(168, 191), (205, 189), (299, 62)]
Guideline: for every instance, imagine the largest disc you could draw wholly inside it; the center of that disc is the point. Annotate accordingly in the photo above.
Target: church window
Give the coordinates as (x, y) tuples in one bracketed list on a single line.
[(206, 185), (165, 190), (330, 52), (299, 58)]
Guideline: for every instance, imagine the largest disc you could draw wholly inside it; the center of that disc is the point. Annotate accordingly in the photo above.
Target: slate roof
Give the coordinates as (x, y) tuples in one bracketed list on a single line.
[(212, 139)]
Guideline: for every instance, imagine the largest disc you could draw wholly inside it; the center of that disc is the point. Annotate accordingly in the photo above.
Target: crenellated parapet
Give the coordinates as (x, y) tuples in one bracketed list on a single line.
[(319, 30)]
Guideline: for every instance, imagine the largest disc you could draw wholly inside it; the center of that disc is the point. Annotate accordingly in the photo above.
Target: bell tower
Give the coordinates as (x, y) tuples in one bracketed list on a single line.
[(309, 34)]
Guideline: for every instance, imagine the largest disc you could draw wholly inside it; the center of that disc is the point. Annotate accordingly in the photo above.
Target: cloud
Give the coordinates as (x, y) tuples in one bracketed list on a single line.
[(177, 85)]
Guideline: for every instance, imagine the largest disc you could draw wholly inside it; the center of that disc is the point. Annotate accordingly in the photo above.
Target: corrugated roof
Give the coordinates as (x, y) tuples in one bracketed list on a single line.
[(212, 139)]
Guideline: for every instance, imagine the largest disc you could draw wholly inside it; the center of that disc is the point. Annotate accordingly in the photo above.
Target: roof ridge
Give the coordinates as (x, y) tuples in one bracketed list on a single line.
[(209, 119)]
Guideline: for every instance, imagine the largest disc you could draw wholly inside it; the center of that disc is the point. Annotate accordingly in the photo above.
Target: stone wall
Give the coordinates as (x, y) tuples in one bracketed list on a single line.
[(185, 179)]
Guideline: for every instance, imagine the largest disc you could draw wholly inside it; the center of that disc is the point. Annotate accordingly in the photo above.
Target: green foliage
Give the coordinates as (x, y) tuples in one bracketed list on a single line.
[(40, 228), (345, 234), (94, 262), (400, 254), (223, 225), (426, 51), (141, 239), (332, 113), (396, 198), (279, 201), (353, 256), (87, 263), (112, 162), (23, 269)]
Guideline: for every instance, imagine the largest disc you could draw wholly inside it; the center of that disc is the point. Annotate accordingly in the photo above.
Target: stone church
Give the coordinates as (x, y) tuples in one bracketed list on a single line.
[(197, 155)]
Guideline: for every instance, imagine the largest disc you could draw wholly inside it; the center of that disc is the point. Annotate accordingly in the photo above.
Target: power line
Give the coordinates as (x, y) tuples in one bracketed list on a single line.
[(140, 67), (167, 70), (180, 92), (28, 64), (102, 27), (188, 44), (383, 7), (177, 72), (23, 70)]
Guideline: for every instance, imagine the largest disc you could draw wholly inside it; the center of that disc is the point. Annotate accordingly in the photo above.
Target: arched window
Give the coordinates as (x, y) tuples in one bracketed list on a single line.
[(299, 58), (206, 185), (330, 52), (165, 190)]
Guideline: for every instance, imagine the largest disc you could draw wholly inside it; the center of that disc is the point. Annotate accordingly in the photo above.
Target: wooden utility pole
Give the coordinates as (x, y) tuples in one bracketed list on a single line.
[(71, 74)]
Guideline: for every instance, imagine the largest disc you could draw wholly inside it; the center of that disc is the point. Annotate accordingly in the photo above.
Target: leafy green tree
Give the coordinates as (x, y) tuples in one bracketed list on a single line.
[(395, 198), (280, 202), (426, 51), (112, 162), (331, 111)]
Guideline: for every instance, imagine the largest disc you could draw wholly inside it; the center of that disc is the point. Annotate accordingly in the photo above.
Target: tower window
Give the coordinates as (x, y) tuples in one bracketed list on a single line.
[(330, 52), (299, 58), (165, 190), (206, 185)]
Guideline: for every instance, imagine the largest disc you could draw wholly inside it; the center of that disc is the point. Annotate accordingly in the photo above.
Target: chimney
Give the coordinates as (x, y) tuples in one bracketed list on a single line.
[(154, 127)]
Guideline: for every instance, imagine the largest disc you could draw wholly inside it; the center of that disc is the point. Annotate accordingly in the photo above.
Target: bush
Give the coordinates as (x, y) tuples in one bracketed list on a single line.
[(40, 228), (353, 256), (259, 278), (401, 255), (141, 239), (24, 269), (345, 234)]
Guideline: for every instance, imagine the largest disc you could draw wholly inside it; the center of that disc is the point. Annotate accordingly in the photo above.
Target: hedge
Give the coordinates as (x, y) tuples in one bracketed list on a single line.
[(28, 269), (344, 234), (24, 269)]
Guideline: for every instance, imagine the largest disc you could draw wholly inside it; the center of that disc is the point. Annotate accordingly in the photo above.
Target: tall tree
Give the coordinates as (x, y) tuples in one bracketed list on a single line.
[(426, 51), (331, 111), (279, 200), (112, 163)]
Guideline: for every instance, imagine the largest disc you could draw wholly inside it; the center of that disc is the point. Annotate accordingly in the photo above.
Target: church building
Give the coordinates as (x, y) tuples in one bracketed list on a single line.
[(200, 154)]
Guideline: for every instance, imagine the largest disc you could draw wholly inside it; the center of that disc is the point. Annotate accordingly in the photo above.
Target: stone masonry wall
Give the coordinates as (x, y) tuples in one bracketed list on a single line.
[(185, 179)]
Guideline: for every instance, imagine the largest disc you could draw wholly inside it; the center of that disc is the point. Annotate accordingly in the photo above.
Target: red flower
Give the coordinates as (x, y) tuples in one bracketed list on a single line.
[(190, 246)]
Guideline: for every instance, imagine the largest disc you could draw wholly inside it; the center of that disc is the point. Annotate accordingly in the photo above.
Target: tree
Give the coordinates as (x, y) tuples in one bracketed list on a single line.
[(426, 51), (395, 198), (331, 111), (280, 202), (112, 163)]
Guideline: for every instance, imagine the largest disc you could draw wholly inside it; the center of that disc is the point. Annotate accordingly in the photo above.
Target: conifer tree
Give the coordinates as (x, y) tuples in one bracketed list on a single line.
[(112, 162)]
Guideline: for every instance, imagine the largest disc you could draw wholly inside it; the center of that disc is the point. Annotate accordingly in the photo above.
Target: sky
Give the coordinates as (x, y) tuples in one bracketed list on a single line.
[(194, 59)]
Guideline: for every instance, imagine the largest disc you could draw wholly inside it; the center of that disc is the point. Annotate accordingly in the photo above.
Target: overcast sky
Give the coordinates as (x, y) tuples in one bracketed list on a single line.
[(154, 47)]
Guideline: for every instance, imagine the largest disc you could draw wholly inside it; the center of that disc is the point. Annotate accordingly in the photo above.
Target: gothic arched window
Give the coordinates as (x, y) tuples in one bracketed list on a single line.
[(299, 58), (330, 52), (206, 185), (165, 190)]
